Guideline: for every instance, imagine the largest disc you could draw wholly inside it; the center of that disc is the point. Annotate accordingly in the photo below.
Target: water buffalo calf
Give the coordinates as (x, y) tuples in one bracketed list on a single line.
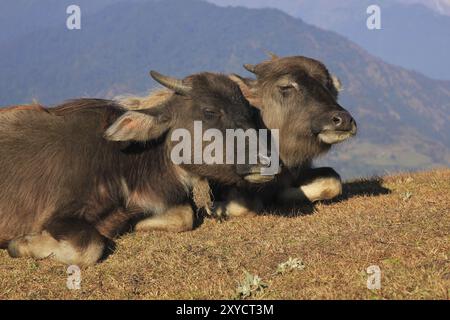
[(298, 96), (73, 176)]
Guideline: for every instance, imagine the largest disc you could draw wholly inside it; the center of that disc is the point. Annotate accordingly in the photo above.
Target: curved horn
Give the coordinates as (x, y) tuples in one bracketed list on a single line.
[(171, 83), (250, 68), (272, 55)]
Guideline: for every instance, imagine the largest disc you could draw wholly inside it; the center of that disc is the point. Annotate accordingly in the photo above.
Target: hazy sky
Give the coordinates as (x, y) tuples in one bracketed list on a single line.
[(441, 6)]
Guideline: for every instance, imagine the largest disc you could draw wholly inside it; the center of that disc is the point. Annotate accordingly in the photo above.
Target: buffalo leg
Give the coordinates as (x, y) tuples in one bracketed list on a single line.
[(315, 185), (70, 241), (238, 204), (176, 219)]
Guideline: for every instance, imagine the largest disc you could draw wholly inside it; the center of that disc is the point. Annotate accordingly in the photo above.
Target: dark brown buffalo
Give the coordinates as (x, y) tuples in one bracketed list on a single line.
[(298, 96), (73, 176)]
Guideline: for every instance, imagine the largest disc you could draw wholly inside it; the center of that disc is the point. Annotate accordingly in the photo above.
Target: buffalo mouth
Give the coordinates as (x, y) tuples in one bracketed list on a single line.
[(258, 178), (336, 136), (254, 175)]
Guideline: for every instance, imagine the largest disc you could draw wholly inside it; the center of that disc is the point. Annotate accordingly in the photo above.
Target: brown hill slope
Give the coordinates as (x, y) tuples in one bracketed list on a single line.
[(400, 223)]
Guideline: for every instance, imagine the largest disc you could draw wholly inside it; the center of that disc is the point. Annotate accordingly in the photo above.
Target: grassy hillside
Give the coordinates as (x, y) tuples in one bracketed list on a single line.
[(400, 223)]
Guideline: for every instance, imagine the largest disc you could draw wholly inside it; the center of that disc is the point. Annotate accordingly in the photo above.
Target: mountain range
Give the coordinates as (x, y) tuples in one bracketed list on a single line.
[(414, 34), (403, 116)]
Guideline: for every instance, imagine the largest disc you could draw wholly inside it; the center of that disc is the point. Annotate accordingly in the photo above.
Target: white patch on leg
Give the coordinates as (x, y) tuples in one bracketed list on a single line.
[(39, 246), (238, 205), (322, 189), (43, 245), (239, 208), (177, 219)]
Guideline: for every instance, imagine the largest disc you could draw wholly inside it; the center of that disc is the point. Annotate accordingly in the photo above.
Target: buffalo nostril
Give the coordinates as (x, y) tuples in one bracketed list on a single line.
[(337, 121)]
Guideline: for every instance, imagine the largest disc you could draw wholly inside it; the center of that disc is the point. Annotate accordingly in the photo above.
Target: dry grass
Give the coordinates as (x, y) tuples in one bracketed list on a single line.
[(401, 223)]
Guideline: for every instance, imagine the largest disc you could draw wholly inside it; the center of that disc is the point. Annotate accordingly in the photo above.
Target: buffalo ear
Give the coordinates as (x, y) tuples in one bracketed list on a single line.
[(337, 83), (241, 81), (250, 68), (248, 88), (137, 126)]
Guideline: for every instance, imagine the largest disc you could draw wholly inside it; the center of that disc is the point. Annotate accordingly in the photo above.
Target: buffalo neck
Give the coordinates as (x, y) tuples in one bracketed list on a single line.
[(147, 168)]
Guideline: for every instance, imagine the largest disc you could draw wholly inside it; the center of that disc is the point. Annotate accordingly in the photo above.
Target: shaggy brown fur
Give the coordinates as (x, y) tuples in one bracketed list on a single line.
[(299, 111), (298, 96), (73, 176)]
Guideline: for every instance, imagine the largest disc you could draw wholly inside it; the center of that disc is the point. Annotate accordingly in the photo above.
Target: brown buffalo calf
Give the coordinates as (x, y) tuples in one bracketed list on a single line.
[(73, 176), (298, 96)]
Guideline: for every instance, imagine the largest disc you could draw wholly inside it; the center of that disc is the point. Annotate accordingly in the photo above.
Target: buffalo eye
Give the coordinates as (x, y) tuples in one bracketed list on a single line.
[(210, 114), (288, 87)]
